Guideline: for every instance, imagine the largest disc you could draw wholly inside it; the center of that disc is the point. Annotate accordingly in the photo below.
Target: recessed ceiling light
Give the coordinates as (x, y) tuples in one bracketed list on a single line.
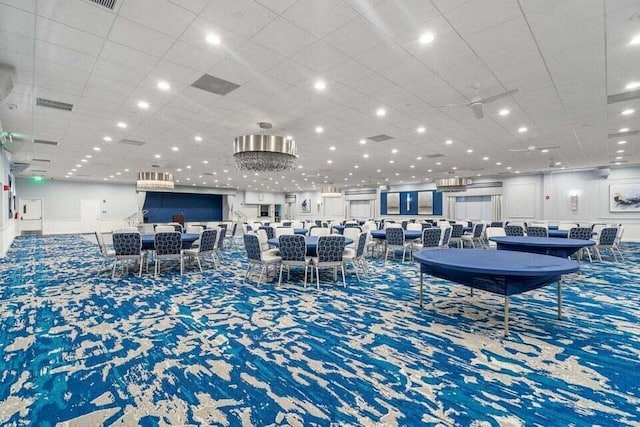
[(419, 158), (381, 112), (126, 170), (632, 85), (320, 85), (118, 173), (504, 112), (628, 111), (412, 166), (544, 150), (392, 161), (188, 166), (105, 179), (319, 129), (157, 156), (635, 39), (365, 155), (225, 170), (179, 170), (332, 148), (620, 151), (394, 151), (469, 151), (429, 170), (619, 158), (454, 167), (498, 163), (107, 139), (213, 39), (175, 148), (78, 165), (197, 138), (622, 130), (422, 129), (363, 141), (426, 38), (162, 85), (288, 137), (485, 158), (121, 125), (448, 142), (74, 170), (111, 176), (558, 163), (522, 129), (97, 148), (438, 163), (206, 162), (379, 170), (397, 173), (143, 104), (88, 156), (329, 161), (517, 171), (356, 166), (508, 168), (84, 160), (622, 142)]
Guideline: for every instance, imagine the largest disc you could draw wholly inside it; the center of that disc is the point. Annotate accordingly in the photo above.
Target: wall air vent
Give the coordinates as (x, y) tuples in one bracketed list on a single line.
[(132, 142), (434, 156), (380, 138), (208, 174), (109, 4), (45, 142), (452, 184), (215, 85), (38, 171), (50, 103)]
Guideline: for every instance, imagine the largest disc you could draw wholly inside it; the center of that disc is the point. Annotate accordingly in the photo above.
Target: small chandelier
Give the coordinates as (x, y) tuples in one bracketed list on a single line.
[(154, 181), (330, 192), (264, 153)]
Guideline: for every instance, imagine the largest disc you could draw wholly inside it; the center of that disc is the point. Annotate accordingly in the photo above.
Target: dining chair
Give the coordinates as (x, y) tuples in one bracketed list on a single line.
[(414, 226), (207, 246), (168, 245), (352, 233), (493, 232), (220, 241), (127, 246), (257, 257), (475, 237), (330, 250), (430, 238), (282, 231), (318, 231), (164, 228), (581, 233), (293, 252), (607, 240), (446, 236), (107, 253), (537, 231), (514, 230), (457, 230), (396, 241), (355, 256)]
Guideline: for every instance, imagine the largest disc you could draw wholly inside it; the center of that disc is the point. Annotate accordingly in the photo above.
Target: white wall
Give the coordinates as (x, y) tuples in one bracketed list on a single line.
[(7, 225)]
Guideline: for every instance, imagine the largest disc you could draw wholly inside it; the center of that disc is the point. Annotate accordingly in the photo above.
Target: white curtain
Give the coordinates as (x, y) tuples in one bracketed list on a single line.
[(142, 196), (451, 208), (230, 202), (496, 207)]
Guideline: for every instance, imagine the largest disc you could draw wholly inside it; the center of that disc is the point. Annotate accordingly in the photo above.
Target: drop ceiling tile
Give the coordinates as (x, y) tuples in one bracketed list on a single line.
[(320, 56), (196, 35), (478, 15), (290, 72), (16, 21), (320, 17), (245, 17), (283, 37), (193, 57), (383, 56), (117, 71), (60, 55), (362, 6), (160, 15), (78, 14), (398, 17), (348, 71), (16, 61), (93, 92), (167, 70), (71, 38), (255, 57), (356, 37)]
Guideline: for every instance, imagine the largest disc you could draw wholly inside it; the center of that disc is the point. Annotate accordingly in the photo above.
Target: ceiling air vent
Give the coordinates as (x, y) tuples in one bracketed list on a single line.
[(45, 142), (452, 184), (50, 103), (155, 166), (624, 96), (623, 134), (208, 174), (215, 85), (109, 4), (38, 171), (379, 138), (42, 160), (132, 142), (434, 156)]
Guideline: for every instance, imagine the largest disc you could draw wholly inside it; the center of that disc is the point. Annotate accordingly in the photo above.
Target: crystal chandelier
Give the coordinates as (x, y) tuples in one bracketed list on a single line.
[(154, 181), (264, 153)]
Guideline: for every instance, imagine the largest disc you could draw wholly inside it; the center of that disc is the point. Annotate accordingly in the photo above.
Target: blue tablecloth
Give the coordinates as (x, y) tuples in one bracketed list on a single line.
[(408, 234), (300, 231), (338, 228), (500, 272), (312, 243), (554, 246), (558, 233), (148, 240)]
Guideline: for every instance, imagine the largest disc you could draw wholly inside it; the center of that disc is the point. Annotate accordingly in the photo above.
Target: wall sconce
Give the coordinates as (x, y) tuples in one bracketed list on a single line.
[(574, 202)]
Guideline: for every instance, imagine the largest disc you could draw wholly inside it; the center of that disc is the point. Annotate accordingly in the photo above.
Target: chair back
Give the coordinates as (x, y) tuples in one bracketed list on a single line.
[(222, 232), (252, 246), (177, 226), (208, 240), (196, 229), (351, 225), (431, 237), (388, 224), (101, 245), (262, 238), (318, 231), (446, 236), (608, 236), (168, 243), (496, 224), (414, 226), (425, 225), (352, 233), (127, 230), (233, 229), (494, 232), (284, 231), (580, 233), (270, 232), (457, 230), (127, 243), (164, 228), (395, 236), (566, 226), (513, 230), (404, 224), (537, 231), (477, 230), (292, 247), (362, 244), (330, 248)]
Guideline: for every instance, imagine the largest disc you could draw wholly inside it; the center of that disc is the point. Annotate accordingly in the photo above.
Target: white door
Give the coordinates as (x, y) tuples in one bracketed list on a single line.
[(31, 215)]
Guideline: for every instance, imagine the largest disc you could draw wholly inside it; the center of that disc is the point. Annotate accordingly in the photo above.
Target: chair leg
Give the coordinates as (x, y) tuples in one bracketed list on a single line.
[(181, 265), (305, 275), (344, 282), (262, 270), (280, 276), (318, 277), (157, 268), (141, 265), (199, 264), (113, 271)]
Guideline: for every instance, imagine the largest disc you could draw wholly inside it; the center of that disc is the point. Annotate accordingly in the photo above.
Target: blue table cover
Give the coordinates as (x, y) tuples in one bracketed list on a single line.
[(338, 228), (554, 246), (408, 234), (300, 231), (312, 243), (148, 240), (558, 233), (499, 272)]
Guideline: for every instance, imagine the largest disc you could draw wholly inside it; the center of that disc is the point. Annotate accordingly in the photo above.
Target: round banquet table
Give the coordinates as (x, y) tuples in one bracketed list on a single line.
[(558, 233), (312, 243), (338, 228), (408, 234), (300, 231), (148, 240), (500, 272), (554, 246)]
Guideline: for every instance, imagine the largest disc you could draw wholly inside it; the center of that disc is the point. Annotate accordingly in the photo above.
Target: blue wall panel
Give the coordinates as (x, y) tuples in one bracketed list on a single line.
[(162, 206)]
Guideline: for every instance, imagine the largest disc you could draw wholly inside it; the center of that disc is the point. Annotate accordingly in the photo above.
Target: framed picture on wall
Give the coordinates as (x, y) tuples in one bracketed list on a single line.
[(425, 203), (305, 206), (624, 198), (393, 203)]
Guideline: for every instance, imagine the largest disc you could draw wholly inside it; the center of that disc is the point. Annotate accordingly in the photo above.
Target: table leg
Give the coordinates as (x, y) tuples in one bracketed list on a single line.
[(421, 284), (506, 316), (560, 299)]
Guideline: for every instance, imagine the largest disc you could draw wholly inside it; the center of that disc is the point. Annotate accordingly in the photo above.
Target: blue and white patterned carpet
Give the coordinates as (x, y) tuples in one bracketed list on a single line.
[(211, 350)]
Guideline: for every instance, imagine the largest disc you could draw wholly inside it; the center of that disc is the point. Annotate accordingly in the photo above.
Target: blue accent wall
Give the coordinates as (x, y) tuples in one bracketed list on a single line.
[(413, 208), (161, 206)]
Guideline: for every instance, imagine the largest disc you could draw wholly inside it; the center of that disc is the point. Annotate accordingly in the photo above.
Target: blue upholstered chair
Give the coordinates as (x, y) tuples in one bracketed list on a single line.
[(168, 245), (396, 241), (329, 255), (257, 257), (430, 238), (355, 256), (293, 252), (457, 230), (537, 231), (581, 233), (513, 230), (207, 246), (127, 246)]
